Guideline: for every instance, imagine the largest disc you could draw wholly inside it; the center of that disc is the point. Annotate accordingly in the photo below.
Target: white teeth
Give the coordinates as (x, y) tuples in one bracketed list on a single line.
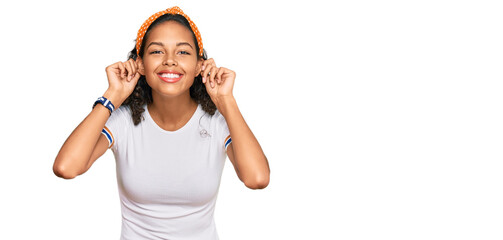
[(170, 75)]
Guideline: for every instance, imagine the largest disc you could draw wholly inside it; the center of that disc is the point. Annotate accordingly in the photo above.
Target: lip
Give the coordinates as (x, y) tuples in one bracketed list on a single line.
[(170, 80)]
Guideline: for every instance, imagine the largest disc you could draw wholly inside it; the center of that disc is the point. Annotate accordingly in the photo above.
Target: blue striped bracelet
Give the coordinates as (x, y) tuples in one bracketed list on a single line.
[(105, 102)]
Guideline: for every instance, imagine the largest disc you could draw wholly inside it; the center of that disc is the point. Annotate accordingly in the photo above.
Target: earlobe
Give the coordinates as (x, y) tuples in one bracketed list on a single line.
[(141, 69), (199, 67)]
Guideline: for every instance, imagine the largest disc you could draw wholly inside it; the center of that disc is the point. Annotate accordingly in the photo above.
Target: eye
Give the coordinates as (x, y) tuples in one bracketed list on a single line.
[(155, 52), (184, 52)]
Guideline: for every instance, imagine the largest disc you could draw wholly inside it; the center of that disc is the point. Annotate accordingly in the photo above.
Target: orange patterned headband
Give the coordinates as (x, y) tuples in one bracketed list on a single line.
[(173, 10)]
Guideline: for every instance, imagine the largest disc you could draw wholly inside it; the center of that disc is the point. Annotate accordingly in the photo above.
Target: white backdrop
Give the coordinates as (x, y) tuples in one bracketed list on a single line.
[(380, 119)]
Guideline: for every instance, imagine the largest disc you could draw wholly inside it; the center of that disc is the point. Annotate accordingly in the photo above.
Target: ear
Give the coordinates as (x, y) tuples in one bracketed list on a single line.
[(199, 66), (141, 67)]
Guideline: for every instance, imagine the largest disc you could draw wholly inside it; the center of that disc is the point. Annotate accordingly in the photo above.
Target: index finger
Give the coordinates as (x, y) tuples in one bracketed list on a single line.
[(208, 62)]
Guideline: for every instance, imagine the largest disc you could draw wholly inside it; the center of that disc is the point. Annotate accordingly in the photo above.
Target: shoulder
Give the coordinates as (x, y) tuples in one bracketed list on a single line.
[(123, 113), (214, 121), (220, 121), (124, 109), (209, 116), (217, 118), (218, 115)]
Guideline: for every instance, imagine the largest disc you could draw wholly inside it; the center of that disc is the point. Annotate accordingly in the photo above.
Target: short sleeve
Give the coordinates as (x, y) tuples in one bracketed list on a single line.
[(223, 130), (115, 127)]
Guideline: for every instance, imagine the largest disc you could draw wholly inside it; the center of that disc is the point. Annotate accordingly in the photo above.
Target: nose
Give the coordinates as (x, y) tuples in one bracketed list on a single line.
[(169, 60)]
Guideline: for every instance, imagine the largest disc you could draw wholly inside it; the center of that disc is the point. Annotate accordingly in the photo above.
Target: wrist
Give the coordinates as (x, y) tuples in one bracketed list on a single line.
[(114, 97), (225, 103), (225, 99)]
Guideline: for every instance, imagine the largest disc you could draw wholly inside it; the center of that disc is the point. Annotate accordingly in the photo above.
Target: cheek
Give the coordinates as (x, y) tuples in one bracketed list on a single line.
[(190, 68), (150, 64)]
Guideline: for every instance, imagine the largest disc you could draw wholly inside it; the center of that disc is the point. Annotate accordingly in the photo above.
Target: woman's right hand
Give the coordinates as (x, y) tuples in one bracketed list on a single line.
[(122, 78)]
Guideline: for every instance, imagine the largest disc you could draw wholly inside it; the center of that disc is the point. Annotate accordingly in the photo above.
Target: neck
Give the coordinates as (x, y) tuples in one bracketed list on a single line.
[(172, 111)]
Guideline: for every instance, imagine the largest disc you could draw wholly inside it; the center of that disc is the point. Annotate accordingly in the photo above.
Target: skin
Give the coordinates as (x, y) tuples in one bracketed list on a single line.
[(169, 46)]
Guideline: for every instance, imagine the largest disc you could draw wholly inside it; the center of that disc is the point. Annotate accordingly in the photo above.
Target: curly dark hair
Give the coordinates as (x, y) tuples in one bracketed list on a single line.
[(142, 94)]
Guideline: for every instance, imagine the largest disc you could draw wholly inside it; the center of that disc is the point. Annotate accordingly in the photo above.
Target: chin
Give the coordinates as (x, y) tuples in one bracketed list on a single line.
[(172, 91)]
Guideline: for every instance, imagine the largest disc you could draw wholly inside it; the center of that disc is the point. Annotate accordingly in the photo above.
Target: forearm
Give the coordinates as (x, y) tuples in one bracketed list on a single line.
[(249, 157), (75, 153)]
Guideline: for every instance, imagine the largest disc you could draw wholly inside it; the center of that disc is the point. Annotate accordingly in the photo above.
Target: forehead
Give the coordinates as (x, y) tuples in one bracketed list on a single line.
[(170, 32)]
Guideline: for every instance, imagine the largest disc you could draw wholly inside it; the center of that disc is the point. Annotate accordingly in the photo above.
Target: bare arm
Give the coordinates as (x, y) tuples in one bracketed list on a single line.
[(75, 155), (86, 143), (244, 152)]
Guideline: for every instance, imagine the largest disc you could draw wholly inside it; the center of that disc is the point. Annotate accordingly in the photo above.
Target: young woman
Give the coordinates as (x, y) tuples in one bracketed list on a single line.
[(170, 119)]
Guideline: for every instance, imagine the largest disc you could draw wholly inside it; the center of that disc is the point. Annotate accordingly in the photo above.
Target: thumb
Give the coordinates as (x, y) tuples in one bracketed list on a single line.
[(136, 77), (207, 83)]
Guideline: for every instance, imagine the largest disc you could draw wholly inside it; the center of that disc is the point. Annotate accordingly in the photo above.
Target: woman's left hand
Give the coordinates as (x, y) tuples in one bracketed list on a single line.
[(218, 81)]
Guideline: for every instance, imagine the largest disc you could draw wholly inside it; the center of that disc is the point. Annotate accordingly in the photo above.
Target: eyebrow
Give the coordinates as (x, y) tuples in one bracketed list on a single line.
[(184, 43), (156, 43), (177, 44)]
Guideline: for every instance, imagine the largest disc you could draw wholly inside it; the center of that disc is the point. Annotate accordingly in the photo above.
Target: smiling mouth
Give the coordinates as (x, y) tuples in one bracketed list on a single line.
[(170, 77)]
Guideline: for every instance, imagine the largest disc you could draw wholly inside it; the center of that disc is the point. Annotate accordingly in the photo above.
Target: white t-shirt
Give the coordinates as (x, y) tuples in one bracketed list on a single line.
[(168, 180)]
